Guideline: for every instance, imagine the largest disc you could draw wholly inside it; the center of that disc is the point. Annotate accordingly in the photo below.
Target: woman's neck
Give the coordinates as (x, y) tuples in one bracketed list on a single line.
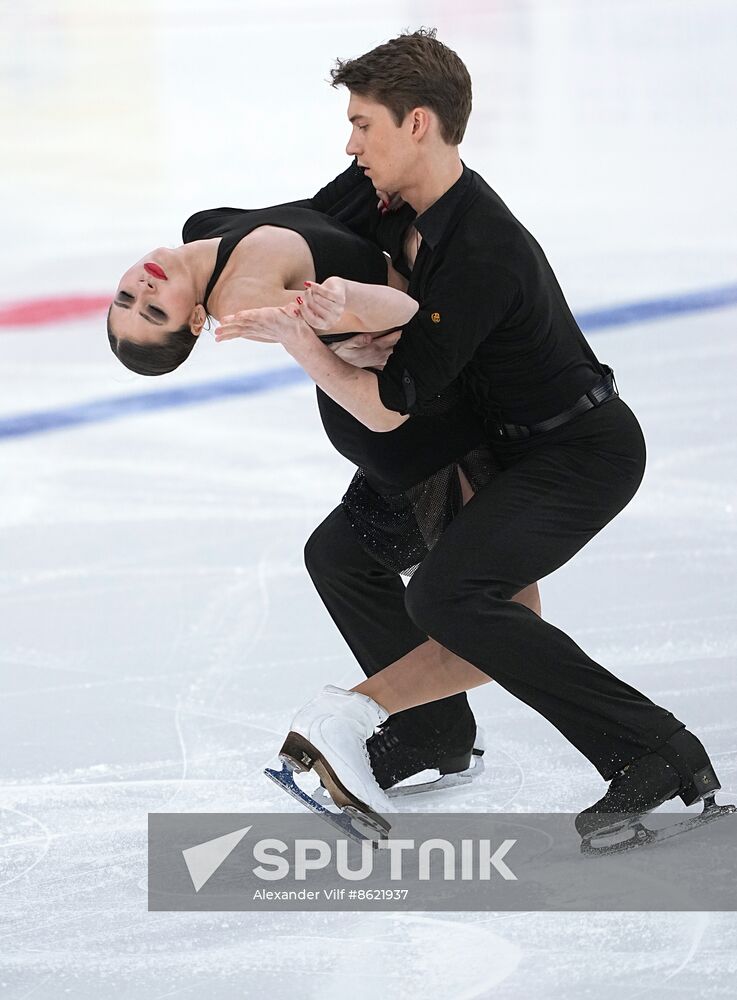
[(199, 259), (261, 267)]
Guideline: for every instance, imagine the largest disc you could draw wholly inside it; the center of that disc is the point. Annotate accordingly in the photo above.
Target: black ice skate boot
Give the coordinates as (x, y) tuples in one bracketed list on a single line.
[(680, 767), (401, 749)]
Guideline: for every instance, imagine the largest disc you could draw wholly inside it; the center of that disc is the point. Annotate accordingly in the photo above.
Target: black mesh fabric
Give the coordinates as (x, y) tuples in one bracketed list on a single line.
[(399, 529)]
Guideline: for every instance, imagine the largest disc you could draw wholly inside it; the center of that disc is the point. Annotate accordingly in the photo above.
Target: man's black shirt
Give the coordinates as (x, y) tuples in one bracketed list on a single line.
[(492, 316)]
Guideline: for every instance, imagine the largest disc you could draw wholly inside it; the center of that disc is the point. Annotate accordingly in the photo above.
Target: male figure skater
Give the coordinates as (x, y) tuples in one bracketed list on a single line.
[(491, 318)]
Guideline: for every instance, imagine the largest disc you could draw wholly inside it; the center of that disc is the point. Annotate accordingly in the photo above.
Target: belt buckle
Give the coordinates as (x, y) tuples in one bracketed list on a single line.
[(508, 432), (494, 425), (609, 374), (516, 432), (602, 391)]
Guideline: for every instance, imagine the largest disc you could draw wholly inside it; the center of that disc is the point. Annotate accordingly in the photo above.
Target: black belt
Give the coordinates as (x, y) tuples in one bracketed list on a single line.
[(600, 393)]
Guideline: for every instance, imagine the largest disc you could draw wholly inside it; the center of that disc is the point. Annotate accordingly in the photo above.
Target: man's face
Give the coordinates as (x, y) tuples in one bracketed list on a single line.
[(385, 149)]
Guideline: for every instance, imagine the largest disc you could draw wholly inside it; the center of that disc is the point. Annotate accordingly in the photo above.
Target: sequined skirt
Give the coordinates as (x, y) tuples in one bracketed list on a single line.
[(399, 529)]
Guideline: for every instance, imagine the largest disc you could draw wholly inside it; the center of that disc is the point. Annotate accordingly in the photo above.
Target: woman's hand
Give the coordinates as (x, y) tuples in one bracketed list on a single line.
[(270, 325), (388, 202), (323, 305), (367, 350)]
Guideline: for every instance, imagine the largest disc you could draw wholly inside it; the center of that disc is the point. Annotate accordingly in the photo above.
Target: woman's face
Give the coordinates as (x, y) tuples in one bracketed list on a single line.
[(154, 297)]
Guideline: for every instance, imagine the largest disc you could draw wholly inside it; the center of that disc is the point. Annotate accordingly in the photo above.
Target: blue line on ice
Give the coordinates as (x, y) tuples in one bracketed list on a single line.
[(113, 408)]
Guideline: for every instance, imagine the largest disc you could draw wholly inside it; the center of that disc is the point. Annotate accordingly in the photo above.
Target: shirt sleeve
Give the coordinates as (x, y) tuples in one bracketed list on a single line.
[(465, 300), (351, 199)]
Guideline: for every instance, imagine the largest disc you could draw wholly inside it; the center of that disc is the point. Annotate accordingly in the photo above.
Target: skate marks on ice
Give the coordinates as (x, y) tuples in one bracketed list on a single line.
[(125, 953), (24, 843), (412, 957), (586, 956), (466, 941), (68, 846)]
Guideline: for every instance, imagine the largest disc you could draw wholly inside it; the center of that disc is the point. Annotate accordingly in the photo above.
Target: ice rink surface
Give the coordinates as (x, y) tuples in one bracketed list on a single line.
[(158, 627)]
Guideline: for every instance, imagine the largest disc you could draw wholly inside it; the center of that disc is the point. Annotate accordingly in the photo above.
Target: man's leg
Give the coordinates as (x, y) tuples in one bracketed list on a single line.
[(526, 523)]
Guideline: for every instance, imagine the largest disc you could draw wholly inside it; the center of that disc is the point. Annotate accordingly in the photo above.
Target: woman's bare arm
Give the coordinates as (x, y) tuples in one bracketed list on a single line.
[(365, 350), (342, 306)]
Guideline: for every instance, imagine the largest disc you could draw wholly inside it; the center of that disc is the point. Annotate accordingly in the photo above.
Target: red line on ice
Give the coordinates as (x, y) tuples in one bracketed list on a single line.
[(54, 309)]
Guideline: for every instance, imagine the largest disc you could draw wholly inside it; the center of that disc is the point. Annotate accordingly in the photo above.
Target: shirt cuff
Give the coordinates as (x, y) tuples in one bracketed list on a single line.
[(397, 391)]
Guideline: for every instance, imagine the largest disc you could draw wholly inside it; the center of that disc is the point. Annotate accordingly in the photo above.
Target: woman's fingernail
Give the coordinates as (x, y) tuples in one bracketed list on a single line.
[(308, 284), (299, 299)]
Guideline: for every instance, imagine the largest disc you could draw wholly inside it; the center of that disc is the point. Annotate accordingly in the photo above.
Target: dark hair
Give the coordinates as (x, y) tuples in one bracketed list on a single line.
[(410, 71), (153, 359)]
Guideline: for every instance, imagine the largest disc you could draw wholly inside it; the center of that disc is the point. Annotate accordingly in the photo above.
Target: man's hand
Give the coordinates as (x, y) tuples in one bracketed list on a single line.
[(367, 350)]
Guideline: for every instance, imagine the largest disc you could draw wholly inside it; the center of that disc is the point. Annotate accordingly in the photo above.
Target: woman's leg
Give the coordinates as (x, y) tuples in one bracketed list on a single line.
[(529, 597)]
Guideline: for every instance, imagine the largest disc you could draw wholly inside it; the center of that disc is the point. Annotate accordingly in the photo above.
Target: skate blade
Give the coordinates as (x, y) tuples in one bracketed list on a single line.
[(636, 834), (443, 781), (299, 754), (345, 821)]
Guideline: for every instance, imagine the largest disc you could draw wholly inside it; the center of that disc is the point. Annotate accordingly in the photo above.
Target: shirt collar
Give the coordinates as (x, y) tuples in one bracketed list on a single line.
[(435, 220)]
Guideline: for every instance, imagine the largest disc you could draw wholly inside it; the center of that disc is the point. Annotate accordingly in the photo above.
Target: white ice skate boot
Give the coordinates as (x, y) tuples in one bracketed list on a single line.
[(329, 735)]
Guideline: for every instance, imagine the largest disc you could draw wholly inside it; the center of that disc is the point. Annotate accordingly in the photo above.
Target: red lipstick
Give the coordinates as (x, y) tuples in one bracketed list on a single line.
[(155, 270)]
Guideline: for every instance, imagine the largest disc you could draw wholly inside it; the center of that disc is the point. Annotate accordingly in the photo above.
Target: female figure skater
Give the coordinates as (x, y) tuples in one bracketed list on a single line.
[(411, 481)]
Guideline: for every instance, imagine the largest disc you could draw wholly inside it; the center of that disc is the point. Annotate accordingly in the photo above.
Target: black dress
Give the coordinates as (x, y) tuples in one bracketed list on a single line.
[(406, 489)]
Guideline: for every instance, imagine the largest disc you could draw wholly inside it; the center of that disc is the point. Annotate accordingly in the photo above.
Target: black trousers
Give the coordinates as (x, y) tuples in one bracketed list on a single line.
[(367, 603), (554, 493)]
